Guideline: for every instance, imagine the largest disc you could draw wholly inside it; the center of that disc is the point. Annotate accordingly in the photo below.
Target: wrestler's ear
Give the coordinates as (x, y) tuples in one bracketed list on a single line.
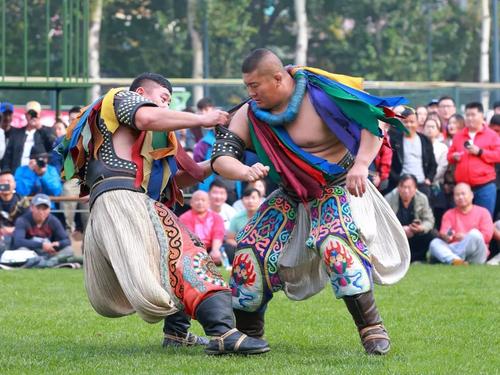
[(278, 77), (140, 90)]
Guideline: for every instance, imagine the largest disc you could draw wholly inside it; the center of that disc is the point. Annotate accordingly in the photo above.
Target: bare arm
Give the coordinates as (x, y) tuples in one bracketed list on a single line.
[(358, 174), (164, 119), (232, 168)]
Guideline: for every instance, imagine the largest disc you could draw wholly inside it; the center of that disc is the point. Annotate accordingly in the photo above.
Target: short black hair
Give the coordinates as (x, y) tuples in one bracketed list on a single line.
[(217, 183), (476, 105), (75, 109), (496, 104), (204, 103), (405, 177), (154, 77), (408, 112), (5, 171), (252, 61), (446, 97), (495, 120), (249, 191)]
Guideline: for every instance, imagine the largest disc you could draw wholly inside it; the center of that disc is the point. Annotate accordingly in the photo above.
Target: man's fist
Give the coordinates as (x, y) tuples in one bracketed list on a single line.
[(215, 117), (256, 172)]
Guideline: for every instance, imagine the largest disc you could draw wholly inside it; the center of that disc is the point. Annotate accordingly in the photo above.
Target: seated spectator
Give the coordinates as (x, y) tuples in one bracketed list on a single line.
[(251, 201), (217, 195), (38, 176), (260, 185), (12, 205), (495, 256), (206, 224), (465, 233), (415, 215), (40, 231), (474, 151), (412, 154)]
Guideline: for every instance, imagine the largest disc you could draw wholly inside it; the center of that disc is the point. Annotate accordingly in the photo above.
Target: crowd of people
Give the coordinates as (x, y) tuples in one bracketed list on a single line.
[(440, 178)]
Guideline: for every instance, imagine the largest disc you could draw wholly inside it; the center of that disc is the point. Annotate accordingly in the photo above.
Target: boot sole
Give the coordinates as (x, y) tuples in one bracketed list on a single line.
[(246, 352)]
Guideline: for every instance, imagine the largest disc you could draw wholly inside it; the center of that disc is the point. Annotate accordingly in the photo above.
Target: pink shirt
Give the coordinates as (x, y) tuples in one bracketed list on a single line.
[(478, 218), (208, 228)]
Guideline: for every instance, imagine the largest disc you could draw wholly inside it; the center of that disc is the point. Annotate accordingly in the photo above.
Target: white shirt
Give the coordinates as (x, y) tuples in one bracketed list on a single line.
[(413, 163), (440, 154), (227, 212), (28, 144)]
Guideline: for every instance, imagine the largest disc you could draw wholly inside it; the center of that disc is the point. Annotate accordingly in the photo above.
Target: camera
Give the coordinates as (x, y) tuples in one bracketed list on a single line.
[(41, 162), (4, 187), (467, 143), (32, 113)]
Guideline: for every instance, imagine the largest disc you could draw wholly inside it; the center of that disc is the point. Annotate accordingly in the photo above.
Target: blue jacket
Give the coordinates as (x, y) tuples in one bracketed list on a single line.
[(29, 183)]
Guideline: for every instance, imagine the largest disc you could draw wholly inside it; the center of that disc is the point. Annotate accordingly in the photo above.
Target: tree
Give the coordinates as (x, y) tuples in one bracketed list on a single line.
[(484, 62), (94, 45), (197, 49), (302, 32)]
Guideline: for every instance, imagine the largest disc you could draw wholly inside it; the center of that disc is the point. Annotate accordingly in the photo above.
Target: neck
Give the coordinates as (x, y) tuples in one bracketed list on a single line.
[(465, 209), (251, 213), (7, 197), (216, 208), (406, 203), (411, 134), (288, 89)]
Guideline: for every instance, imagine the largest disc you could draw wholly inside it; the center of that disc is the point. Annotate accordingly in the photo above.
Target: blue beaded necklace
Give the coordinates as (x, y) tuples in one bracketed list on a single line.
[(291, 111)]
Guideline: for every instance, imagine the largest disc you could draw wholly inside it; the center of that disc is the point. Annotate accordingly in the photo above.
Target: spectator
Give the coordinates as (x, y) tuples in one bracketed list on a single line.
[(260, 185), (6, 110), (38, 176), (73, 113), (496, 108), (433, 105), (217, 195), (382, 164), (455, 124), (474, 151), (40, 231), (251, 201), (495, 259), (206, 224), (446, 108), (413, 154), (421, 112), (55, 158), (33, 134), (415, 215), (12, 205), (465, 233), (432, 129), (495, 126)]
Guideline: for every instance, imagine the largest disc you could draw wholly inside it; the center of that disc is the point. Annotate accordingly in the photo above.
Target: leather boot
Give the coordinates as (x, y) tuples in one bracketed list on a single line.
[(372, 332), (215, 314), (176, 328), (250, 323)]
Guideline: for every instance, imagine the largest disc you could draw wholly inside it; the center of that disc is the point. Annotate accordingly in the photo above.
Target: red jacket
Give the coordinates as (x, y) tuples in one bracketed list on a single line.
[(383, 160), (472, 169)]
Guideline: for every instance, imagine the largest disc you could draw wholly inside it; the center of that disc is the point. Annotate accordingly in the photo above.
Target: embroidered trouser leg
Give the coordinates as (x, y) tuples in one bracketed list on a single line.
[(331, 235), (139, 258)]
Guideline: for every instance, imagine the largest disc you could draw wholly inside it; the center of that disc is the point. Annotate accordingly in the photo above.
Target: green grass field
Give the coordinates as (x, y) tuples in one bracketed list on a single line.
[(442, 320)]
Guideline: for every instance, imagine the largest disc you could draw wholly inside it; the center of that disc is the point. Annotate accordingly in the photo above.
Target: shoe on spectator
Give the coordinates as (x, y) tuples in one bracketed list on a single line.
[(459, 262), (495, 261)]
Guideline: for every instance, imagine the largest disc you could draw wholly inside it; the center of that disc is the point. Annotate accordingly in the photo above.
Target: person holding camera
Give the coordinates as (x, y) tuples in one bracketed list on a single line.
[(38, 176), (474, 151), (414, 212), (12, 205)]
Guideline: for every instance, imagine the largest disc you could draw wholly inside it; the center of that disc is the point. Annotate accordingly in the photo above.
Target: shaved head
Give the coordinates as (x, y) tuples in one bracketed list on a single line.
[(262, 60)]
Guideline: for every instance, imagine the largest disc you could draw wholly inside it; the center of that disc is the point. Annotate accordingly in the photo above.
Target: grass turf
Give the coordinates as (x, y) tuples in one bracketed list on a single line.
[(442, 320)]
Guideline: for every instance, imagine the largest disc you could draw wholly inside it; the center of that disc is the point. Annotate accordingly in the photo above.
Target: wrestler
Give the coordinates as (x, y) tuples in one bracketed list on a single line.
[(138, 256), (316, 137)]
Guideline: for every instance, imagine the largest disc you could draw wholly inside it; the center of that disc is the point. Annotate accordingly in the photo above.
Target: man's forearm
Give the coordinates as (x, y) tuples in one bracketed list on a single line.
[(230, 167), (163, 119)]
